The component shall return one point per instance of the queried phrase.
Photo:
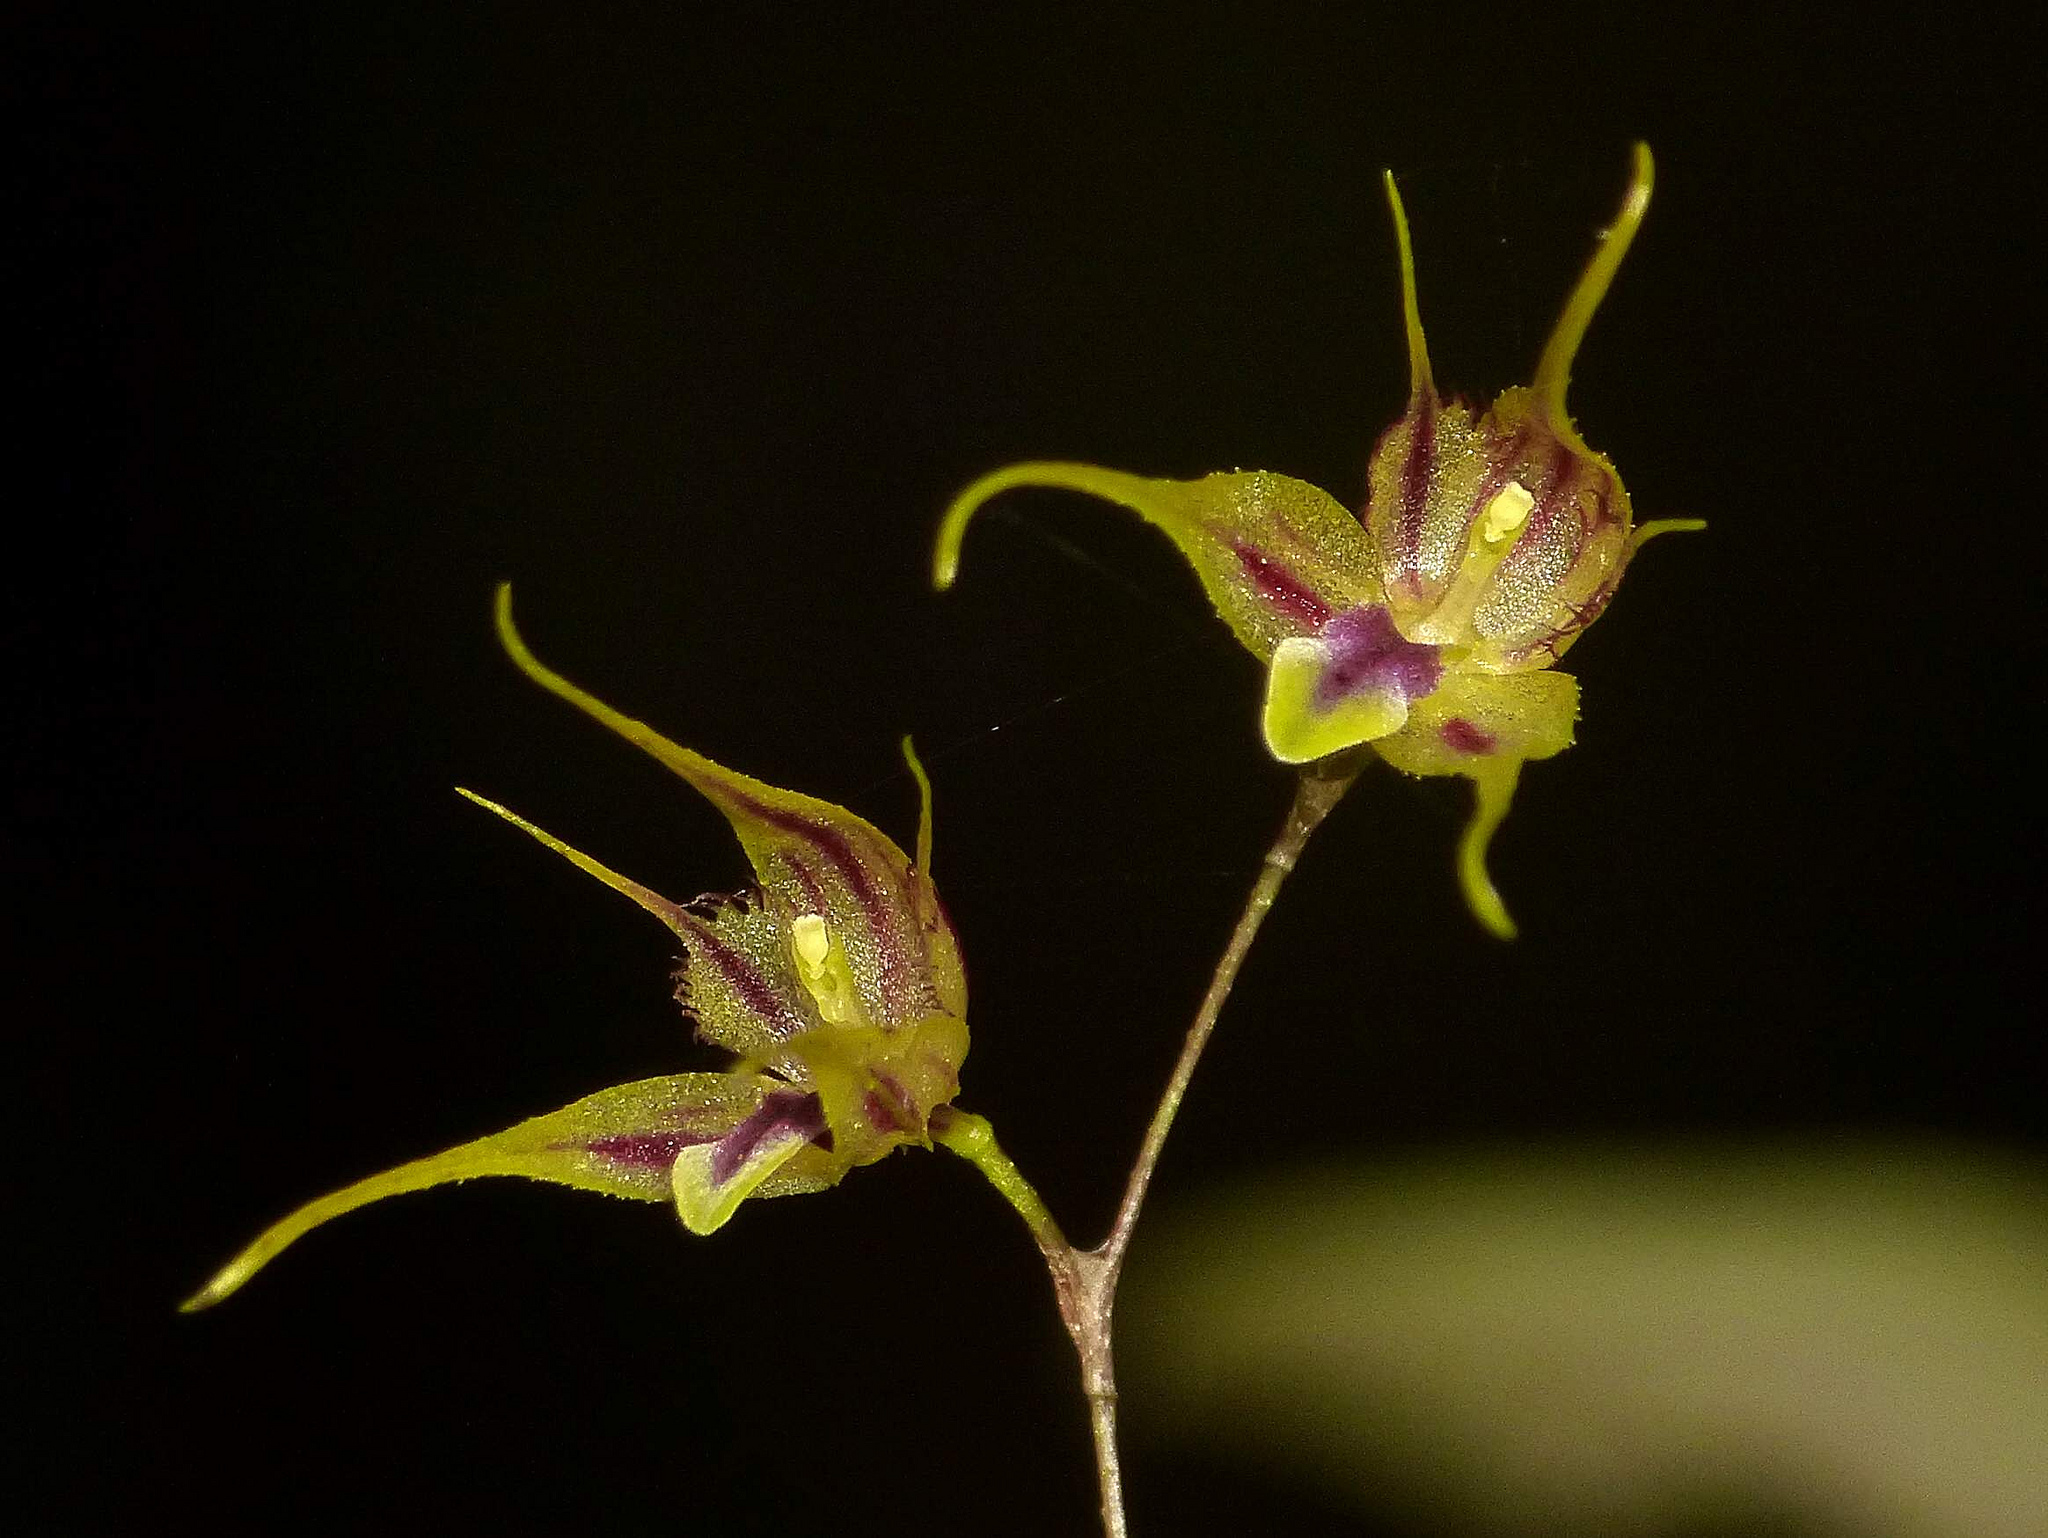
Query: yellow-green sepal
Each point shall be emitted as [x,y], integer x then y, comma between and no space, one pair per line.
[1276,556]
[617,1142]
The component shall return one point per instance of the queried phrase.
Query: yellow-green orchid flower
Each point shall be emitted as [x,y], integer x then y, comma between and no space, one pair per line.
[837,981]
[1428,626]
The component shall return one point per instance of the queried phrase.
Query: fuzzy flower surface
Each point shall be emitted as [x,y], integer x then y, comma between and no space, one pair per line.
[836,981]
[1427,627]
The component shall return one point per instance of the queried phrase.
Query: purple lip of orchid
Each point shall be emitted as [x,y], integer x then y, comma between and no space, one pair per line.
[1366,654]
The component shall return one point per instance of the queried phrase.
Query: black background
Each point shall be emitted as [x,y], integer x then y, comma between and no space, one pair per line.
[690,324]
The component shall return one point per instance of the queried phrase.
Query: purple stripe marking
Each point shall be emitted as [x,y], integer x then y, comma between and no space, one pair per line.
[753,990]
[1415,476]
[1562,491]
[782,1110]
[888,1107]
[642,1150]
[829,843]
[814,895]
[1280,587]
[1368,655]
[1461,736]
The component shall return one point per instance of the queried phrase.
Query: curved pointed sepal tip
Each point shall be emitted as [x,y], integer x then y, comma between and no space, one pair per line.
[617,1142]
[625,886]
[1421,382]
[1554,368]
[1493,791]
[1276,556]
[288,1230]
[924,807]
[1645,532]
[1062,475]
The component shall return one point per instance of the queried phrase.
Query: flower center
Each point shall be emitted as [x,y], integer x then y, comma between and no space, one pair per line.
[1364,654]
[1505,513]
[821,967]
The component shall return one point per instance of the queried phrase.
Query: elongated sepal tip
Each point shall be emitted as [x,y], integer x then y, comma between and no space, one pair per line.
[1054,474]
[223,1285]
[1645,532]
[1483,897]
[953,527]
[1493,789]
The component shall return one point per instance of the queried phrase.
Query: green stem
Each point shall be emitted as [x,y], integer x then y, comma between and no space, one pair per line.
[1320,787]
[972,1138]
[1085,1281]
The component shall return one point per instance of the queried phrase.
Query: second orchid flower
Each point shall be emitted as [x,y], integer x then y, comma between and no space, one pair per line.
[1427,627]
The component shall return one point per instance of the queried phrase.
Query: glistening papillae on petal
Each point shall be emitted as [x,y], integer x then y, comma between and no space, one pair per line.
[621,1142]
[1276,556]
[1502,532]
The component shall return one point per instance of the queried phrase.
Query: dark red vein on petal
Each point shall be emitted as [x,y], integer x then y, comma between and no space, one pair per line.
[1280,587]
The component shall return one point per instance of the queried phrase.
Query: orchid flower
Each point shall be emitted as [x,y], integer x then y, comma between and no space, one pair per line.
[1428,627]
[837,982]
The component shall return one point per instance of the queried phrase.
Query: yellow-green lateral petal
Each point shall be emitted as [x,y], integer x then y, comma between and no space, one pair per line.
[1276,556]
[619,1142]
[1298,729]
[1474,717]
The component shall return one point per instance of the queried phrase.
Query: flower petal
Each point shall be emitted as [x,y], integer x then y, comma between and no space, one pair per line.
[1276,556]
[710,1180]
[1349,684]
[620,1142]
[812,859]
[1485,726]
[1503,533]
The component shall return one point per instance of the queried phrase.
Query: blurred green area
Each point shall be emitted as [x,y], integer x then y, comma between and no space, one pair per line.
[1817,1337]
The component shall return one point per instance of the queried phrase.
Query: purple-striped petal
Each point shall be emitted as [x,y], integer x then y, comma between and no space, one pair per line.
[710,1180]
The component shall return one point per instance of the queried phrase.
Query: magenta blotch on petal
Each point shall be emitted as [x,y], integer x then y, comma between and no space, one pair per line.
[1462,736]
[1368,655]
